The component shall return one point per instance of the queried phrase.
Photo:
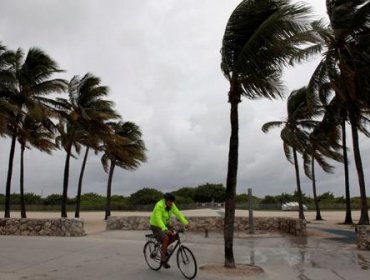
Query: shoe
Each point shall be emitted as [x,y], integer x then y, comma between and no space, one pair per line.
[165,265]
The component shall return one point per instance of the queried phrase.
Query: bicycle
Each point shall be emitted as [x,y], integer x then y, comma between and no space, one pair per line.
[184,257]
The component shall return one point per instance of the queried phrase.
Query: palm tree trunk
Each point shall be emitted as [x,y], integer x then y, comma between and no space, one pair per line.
[348,219]
[317,206]
[364,217]
[231,181]
[23,206]
[9,177]
[109,189]
[79,189]
[65,183]
[300,201]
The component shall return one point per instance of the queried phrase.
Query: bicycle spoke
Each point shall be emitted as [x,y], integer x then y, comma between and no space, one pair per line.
[186,262]
[152,255]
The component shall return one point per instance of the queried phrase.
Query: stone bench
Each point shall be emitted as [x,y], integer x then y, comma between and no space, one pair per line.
[42,227]
[287,225]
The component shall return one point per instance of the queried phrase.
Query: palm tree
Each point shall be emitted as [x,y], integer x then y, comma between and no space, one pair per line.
[95,110]
[6,108]
[261,37]
[68,139]
[85,113]
[343,66]
[294,133]
[348,217]
[336,114]
[124,148]
[321,85]
[39,135]
[323,143]
[30,84]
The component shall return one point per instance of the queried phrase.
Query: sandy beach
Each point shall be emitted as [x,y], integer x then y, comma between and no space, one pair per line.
[94,220]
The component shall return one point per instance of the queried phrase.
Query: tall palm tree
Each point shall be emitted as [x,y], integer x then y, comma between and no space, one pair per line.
[95,111]
[336,114]
[323,143]
[6,109]
[348,216]
[85,114]
[344,68]
[324,139]
[30,85]
[124,148]
[295,133]
[261,37]
[77,111]
[68,139]
[321,85]
[39,135]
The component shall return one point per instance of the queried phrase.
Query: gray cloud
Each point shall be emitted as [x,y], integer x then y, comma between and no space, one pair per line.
[161,60]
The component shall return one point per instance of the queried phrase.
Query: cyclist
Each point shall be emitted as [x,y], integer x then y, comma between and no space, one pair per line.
[159,223]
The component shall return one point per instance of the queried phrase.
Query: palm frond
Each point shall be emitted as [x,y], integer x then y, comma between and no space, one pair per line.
[307,163]
[288,152]
[260,38]
[269,125]
[105,162]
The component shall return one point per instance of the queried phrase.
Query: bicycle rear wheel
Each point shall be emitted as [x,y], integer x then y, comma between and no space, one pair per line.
[186,262]
[152,254]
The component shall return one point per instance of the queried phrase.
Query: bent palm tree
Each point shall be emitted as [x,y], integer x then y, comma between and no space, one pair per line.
[6,109]
[261,37]
[321,85]
[124,148]
[68,139]
[85,113]
[323,143]
[294,134]
[39,135]
[343,65]
[94,111]
[30,84]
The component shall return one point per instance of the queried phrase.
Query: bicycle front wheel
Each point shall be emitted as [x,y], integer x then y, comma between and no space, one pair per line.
[152,254]
[186,262]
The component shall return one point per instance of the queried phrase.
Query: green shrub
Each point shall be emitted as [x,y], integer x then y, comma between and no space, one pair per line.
[210,192]
[145,196]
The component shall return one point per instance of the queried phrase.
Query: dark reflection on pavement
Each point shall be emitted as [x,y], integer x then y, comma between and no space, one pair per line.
[306,258]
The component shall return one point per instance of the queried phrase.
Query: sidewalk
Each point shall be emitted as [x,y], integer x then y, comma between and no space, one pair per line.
[118,255]
[325,254]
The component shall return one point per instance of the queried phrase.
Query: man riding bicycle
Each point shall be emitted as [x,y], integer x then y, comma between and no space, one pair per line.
[159,223]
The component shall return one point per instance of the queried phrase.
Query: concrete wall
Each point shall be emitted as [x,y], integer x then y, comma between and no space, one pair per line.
[42,227]
[363,237]
[287,225]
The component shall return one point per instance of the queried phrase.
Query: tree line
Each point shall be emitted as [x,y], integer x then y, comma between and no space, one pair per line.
[39,110]
[143,197]
[205,195]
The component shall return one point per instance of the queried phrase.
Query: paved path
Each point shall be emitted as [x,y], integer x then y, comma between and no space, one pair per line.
[343,235]
[117,255]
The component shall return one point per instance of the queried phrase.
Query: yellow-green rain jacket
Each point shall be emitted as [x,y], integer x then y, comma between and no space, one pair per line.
[160,216]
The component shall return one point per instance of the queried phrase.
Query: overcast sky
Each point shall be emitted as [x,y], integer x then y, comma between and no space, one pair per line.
[161,61]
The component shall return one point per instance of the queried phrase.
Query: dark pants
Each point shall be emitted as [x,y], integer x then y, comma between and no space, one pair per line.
[158,233]
[164,239]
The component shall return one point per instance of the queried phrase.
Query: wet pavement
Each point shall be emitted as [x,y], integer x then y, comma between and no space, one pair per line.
[118,255]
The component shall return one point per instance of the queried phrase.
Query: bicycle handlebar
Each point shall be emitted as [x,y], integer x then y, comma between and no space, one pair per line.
[177,231]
